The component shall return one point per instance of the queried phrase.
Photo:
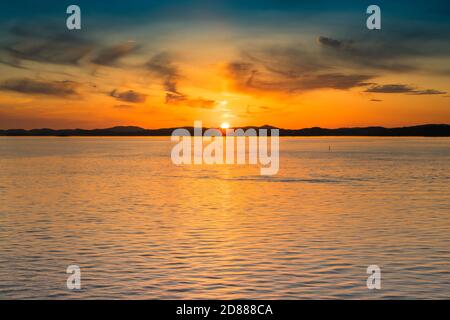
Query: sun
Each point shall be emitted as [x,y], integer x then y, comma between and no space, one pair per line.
[225,125]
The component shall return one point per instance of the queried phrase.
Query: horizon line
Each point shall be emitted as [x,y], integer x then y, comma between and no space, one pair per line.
[232,128]
[426,130]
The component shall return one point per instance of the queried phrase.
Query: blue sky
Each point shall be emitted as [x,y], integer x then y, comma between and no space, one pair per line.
[431,11]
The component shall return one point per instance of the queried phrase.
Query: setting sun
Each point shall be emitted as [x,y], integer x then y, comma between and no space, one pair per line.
[225,125]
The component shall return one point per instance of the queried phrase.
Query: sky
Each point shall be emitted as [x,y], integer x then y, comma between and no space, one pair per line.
[159,64]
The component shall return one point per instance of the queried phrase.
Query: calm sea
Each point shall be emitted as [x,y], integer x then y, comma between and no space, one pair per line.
[140,227]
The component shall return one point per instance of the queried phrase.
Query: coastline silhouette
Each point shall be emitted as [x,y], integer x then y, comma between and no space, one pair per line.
[427,130]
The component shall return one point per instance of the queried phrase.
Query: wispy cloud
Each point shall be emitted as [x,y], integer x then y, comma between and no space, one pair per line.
[407,49]
[402,88]
[110,56]
[52,88]
[329,42]
[163,67]
[368,54]
[332,64]
[129,96]
[183,100]
[248,76]
[45,46]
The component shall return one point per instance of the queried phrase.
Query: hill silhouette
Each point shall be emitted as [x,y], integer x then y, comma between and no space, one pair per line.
[428,130]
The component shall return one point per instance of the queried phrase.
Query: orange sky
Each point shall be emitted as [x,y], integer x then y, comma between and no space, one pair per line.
[153,77]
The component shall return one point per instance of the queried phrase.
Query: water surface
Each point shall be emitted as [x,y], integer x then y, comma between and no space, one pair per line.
[141,227]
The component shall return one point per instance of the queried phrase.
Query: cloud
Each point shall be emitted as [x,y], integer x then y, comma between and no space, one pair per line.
[335,63]
[129,96]
[335,81]
[247,76]
[288,61]
[52,88]
[376,100]
[331,64]
[10,61]
[292,68]
[391,88]
[402,88]
[329,42]
[45,46]
[162,66]
[183,100]
[428,92]
[368,54]
[111,55]
[242,73]
[405,50]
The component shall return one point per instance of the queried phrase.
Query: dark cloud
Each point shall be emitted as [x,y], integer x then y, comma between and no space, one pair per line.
[11,61]
[291,68]
[428,92]
[336,63]
[242,73]
[376,100]
[129,96]
[378,55]
[405,50]
[111,55]
[247,76]
[22,31]
[391,88]
[183,100]
[402,88]
[52,88]
[163,67]
[240,68]
[335,81]
[46,47]
[287,61]
[329,42]
[332,63]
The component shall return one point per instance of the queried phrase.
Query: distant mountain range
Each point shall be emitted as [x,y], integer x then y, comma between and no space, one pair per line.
[428,130]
